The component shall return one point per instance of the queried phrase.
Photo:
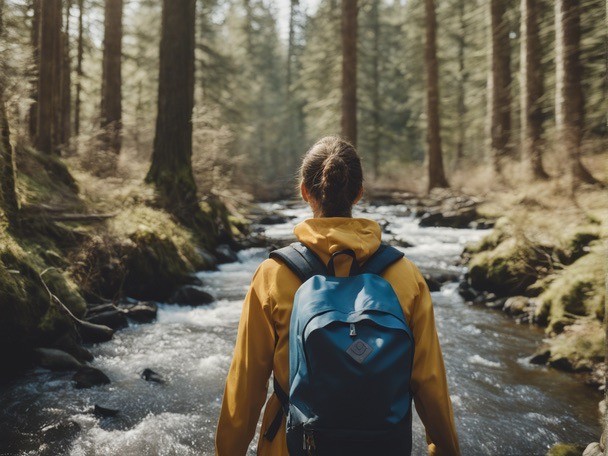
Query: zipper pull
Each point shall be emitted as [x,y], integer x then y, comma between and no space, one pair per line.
[304,440]
[353,331]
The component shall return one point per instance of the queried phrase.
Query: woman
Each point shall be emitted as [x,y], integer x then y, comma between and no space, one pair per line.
[331,183]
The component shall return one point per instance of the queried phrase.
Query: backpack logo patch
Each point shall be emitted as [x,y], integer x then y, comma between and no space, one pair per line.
[359,351]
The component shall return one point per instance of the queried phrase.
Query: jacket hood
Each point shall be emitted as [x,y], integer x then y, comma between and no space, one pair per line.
[328,235]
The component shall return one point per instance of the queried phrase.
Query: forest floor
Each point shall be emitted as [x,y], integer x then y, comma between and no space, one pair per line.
[91,241]
[545,262]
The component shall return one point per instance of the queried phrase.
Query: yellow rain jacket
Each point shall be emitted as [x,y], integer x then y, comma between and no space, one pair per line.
[262,345]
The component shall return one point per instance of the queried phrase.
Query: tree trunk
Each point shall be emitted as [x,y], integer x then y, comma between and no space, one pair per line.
[461,107]
[79,73]
[111,96]
[49,80]
[531,91]
[436,173]
[570,103]
[376,104]
[289,101]
[171,168]
[35,41]
[499,91]
[349,70]
[8,194]
[66,80]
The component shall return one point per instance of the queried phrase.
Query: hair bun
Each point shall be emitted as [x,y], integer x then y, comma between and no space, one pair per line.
[332,174]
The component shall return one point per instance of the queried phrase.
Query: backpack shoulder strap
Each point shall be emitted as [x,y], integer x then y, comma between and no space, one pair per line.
[301,260]
[381,259]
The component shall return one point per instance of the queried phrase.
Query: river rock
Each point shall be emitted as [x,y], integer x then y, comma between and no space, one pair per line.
[466,291]
[541,356]
[143,312]
[104,411]
[432,283]
[92,333]
[208,260]
[517,305]
[68,344]
[400,242]
[57,360]
[150,376]
[593,449]
[225,254]
[191,295]
[88,376]
[273,219]
[460,218]
[114,318]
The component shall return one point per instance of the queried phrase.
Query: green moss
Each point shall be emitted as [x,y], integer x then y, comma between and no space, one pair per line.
[28,318]
[576,244]
[506,270]
[578,290]
[579,347]
[565,449]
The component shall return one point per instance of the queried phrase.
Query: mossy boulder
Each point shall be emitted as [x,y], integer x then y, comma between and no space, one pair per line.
[579,347]
[577,290]
[565,449]
[146,265]
[507,270]
[29,318]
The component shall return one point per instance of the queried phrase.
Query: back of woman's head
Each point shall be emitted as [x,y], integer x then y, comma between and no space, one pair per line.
[331,173]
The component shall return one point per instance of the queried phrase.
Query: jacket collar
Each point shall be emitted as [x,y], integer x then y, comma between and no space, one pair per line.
[328,235]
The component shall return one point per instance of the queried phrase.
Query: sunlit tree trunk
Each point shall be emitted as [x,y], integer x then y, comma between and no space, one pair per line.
[499,90]
[66,80]
[461,107]
[79,73]
[35,41]
[111,91]
[171,168]
[531,90]
[570,103]
[349,70]
[8,194]
[436,174]
[49,78]
[376,103]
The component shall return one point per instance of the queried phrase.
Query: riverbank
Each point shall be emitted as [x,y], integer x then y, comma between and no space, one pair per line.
[544,264]
[85,242]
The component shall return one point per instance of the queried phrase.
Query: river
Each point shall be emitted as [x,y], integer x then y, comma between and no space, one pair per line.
[503,405]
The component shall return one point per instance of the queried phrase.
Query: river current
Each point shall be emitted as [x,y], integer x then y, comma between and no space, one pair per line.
[503,405]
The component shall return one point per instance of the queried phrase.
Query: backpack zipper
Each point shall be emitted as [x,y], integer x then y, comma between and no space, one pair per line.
[353,330]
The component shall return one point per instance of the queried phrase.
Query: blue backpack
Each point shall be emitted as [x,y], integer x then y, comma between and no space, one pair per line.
[351,353]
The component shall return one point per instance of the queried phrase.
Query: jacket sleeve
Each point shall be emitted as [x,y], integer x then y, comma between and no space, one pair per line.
[247,381]
[429,382]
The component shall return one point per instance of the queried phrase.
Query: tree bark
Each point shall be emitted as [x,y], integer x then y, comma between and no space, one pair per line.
[499,91]
[66,80]
[171,168]
[35,41]
[376,104]
[8,195]
[49,77]
[461,107]
[79,73]
[349,70]
[531,90]
[111,95]
[570,103]
[436,174]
